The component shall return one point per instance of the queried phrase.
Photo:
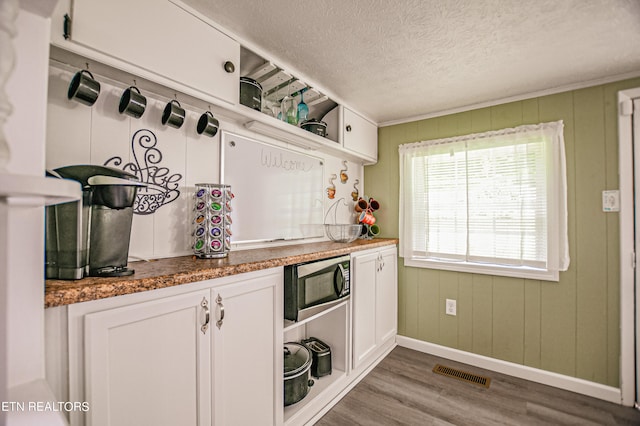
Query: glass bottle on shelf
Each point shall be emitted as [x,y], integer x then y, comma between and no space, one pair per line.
[303,109]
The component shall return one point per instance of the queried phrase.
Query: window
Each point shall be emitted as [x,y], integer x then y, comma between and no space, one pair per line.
[491,202]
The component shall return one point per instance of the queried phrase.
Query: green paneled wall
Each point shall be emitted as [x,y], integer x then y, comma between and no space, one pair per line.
[570,327]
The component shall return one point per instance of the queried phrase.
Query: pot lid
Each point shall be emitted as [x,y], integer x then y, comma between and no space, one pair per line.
[314,121]
[297,358]
[250,81]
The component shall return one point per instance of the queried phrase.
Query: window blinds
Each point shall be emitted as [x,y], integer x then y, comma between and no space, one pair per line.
[492,198]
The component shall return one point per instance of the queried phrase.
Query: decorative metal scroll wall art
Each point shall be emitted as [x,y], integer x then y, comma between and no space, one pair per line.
[162,186]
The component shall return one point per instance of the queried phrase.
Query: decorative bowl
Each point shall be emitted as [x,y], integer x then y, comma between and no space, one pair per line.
[342,233]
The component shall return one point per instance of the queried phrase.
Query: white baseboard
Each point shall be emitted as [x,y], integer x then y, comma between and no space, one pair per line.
[585,387]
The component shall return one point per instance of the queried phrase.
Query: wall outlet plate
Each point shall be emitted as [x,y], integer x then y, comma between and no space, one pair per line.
[611,201]
[450,307]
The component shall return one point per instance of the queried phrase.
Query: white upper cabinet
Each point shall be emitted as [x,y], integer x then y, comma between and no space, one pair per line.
[360,135]
[175,51]
[161,37]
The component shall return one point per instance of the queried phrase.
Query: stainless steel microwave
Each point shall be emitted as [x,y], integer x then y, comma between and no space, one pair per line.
[310,288]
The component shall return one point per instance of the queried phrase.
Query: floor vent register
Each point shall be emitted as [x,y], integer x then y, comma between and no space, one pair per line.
[462,375]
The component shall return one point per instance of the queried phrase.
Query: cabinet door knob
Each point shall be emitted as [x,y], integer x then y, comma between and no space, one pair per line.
[220,312]
[229,67]
[348,127]
[205,307]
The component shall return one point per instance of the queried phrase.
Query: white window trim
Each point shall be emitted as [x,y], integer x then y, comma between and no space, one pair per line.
[558,250]
[478,268]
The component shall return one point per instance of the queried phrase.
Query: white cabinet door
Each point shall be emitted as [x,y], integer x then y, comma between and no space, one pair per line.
[161,37]
[387,296]
[149,363]
[363,293]
[375,298]
[360,135]
[246,340]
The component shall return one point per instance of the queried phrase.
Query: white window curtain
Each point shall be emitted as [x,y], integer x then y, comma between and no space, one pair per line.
[494,199]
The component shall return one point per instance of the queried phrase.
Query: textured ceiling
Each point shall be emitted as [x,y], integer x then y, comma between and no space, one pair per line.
[397,59]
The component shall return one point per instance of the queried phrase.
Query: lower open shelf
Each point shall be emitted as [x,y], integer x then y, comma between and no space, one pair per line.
[332,328]
[316,391]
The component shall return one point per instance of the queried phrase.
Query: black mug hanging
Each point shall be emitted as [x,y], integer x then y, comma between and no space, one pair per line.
[84,88]
[208,124]
[173,114]
[132,102]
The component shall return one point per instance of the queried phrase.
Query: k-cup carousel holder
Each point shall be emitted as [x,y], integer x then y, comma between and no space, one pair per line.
[212,220]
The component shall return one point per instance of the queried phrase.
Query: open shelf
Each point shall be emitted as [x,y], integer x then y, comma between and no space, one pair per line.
[332,328]
[320,386]
[291,325]
[278,83]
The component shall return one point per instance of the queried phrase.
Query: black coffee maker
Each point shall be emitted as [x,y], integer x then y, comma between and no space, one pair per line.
[91,237]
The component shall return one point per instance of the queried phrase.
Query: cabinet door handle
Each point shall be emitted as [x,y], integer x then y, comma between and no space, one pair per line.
[380,261]
[66,28]
[348,128]
[220,310]
[205,307]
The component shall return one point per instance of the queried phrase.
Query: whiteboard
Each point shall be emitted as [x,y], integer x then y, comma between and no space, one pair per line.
[278,192]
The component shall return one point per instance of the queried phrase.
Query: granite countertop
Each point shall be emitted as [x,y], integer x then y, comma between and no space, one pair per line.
[160,273]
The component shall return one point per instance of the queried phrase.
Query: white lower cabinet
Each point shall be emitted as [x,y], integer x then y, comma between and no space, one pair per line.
[247,367]
[374,292]
[148,363]
[211,352]
[359,331]
[387,296]
[209,356]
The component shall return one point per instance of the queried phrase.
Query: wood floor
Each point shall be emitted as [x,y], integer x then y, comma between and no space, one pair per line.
[403,390]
